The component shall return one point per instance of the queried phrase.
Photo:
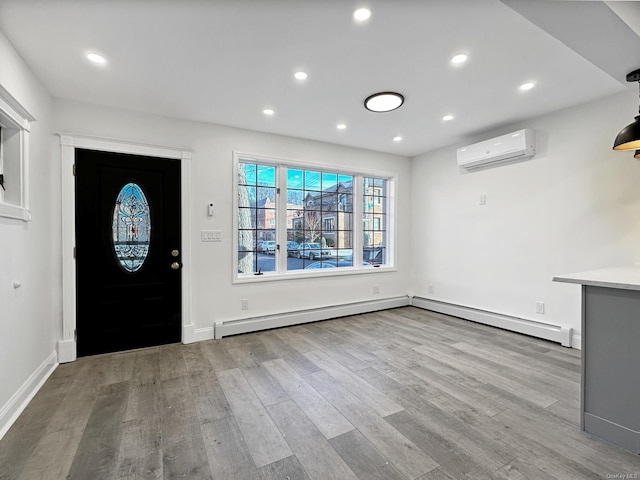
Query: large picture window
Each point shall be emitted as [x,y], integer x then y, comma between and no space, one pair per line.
[291,218]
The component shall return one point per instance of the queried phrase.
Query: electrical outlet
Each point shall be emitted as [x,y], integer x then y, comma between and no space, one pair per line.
[376,289]
[540,308]
[244,304]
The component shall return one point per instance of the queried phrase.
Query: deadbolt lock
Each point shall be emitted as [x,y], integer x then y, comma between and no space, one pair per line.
[175,253]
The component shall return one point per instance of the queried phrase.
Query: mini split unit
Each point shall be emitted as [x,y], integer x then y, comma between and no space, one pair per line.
[507,148]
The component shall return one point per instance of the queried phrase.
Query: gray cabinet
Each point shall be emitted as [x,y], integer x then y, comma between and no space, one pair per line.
[610,400]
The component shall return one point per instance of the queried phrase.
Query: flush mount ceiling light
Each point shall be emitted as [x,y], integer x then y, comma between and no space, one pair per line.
[383,102]
[459,59]
[362,14]
[629,136]
[96,58]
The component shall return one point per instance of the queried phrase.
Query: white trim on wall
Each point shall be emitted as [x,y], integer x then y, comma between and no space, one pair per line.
[10,412]
[67,348]
[14,114]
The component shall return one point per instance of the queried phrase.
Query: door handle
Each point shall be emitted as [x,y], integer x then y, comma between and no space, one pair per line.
[175,265]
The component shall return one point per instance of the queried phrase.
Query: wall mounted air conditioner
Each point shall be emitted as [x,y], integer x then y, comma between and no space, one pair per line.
[511,147]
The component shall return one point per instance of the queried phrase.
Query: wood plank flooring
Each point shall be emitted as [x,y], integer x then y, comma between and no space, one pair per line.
[392,395]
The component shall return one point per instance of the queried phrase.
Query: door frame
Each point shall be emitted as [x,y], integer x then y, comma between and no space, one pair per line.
[67,346]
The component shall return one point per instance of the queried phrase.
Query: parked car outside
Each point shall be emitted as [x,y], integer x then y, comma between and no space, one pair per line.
[329,264]
[312,251]
[292,249]
[269,247]
[374,255]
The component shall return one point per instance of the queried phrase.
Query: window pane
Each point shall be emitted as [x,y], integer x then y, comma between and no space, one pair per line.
[266,176]
[374,220]
[246,174]
[319,219]
[312,181]
[345,202]
[246,195]
[247,217]
[295,179]
[131,227]
[256,218]
[329,182]
[295,198]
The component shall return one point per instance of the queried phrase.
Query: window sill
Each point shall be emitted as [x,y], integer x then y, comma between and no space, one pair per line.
[13,211]
[300,274]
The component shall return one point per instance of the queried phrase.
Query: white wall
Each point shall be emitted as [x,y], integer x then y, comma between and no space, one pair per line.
[214,297]
[574,207]
[29,252]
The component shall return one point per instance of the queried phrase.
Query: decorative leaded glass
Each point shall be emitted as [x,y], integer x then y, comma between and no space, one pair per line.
[131,227]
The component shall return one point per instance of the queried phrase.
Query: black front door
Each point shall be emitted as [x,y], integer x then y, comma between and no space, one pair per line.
[128,267]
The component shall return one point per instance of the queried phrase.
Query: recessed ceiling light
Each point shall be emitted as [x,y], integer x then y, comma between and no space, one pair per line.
[96,58]
[268,111]
[447,118]
[397,138]
[527,86]
[460,58]
[341,126]
[383,101]
[301,75]
[362,14]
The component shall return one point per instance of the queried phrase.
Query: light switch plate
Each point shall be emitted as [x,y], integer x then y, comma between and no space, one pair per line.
[211,235]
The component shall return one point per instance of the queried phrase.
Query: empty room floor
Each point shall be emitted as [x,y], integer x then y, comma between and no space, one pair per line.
[398,394]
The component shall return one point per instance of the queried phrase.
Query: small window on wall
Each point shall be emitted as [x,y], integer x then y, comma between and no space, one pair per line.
[14,143]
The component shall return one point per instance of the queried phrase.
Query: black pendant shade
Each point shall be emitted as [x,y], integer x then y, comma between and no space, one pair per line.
[629,136]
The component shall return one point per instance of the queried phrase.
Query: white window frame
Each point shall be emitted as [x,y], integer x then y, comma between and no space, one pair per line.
[281,273]
[13,116]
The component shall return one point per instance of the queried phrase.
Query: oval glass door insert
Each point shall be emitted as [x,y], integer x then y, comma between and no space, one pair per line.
[131,227]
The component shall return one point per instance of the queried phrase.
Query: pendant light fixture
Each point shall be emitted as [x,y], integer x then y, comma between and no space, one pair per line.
[629,136]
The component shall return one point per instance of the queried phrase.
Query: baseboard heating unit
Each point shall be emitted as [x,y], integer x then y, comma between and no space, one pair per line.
[555,333]
[233,327]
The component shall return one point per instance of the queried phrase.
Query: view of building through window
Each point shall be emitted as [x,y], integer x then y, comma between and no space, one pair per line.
[374,219]
[320,219]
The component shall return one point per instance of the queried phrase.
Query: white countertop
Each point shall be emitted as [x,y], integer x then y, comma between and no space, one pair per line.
[627,278]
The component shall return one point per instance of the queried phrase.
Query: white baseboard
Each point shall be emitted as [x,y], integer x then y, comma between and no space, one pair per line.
[576,341]
[67,351]
[201,334]
[232,327]
[188,333]
[18,402]
[555,333]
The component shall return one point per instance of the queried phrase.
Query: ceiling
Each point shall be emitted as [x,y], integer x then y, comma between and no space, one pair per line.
[225,61]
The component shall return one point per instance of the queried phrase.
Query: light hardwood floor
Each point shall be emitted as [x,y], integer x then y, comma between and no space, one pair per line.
[399,394]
